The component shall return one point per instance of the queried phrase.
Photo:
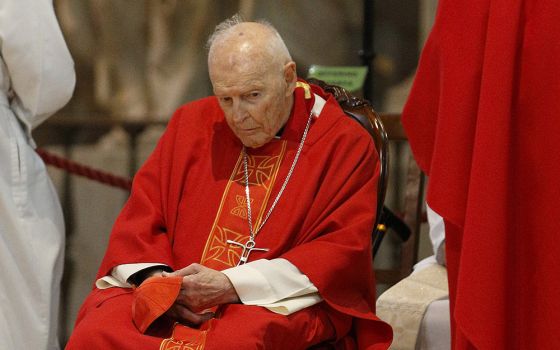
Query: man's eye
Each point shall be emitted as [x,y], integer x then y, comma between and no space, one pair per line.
[253,95]
[225,99]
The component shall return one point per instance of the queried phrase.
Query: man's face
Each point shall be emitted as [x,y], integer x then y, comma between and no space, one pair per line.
[256,100]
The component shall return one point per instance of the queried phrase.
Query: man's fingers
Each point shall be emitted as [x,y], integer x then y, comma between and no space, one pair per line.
[205,316]
[185,271]
[186,316]
[206,289]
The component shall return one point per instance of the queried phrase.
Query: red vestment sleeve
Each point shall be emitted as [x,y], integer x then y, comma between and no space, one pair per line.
[140,232]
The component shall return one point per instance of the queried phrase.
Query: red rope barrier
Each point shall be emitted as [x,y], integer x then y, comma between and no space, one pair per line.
[84,170]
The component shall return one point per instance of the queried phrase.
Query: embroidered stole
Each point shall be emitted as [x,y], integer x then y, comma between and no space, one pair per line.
[231,224]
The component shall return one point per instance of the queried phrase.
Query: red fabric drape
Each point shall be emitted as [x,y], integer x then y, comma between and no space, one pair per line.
[482,119]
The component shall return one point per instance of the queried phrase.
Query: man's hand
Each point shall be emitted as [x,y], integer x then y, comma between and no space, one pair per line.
[186,316]
[202,288]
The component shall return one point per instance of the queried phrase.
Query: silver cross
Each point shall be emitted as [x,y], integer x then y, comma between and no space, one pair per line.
[247,249]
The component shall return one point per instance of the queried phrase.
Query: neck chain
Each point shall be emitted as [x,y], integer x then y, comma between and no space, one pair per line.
[250,245]
[248,195]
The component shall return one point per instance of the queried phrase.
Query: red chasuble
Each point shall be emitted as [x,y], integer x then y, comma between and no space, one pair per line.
[483,120]
[188,200]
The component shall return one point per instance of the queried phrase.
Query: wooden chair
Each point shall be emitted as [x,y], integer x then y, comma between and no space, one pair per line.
[410,210]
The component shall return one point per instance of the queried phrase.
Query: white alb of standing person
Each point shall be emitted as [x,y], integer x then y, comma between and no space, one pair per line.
[36,79]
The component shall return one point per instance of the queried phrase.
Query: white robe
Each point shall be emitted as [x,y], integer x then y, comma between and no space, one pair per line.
[36,79]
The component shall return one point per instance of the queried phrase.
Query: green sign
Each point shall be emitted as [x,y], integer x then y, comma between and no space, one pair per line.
[349,77]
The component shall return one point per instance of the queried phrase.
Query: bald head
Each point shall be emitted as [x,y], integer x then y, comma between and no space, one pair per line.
[236,43]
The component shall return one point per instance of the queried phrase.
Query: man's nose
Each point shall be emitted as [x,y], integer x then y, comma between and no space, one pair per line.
[239,111]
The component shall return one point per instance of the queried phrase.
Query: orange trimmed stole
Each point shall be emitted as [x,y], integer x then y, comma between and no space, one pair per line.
[231,224]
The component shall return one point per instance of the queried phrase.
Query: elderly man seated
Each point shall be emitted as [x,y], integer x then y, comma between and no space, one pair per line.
[249,225]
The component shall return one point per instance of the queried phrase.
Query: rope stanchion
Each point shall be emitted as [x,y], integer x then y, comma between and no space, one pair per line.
[84,170]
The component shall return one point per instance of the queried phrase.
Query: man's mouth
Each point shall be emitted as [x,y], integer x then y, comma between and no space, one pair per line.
[247,130]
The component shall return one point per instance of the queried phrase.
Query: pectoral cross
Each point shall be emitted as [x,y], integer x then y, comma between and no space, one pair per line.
[247,249]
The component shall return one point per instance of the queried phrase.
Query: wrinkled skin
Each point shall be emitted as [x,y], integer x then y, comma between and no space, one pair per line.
[254,86]
[201,289]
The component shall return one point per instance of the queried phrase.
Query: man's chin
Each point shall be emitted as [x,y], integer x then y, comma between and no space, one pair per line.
[252,143]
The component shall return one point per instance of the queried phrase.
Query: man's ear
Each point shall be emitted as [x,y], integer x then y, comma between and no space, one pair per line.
[290,77]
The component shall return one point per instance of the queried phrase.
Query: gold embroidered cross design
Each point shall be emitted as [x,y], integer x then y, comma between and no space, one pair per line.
[259,169]
[241,209]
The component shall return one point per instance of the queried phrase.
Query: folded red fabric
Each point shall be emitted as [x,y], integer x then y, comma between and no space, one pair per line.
[153,298]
